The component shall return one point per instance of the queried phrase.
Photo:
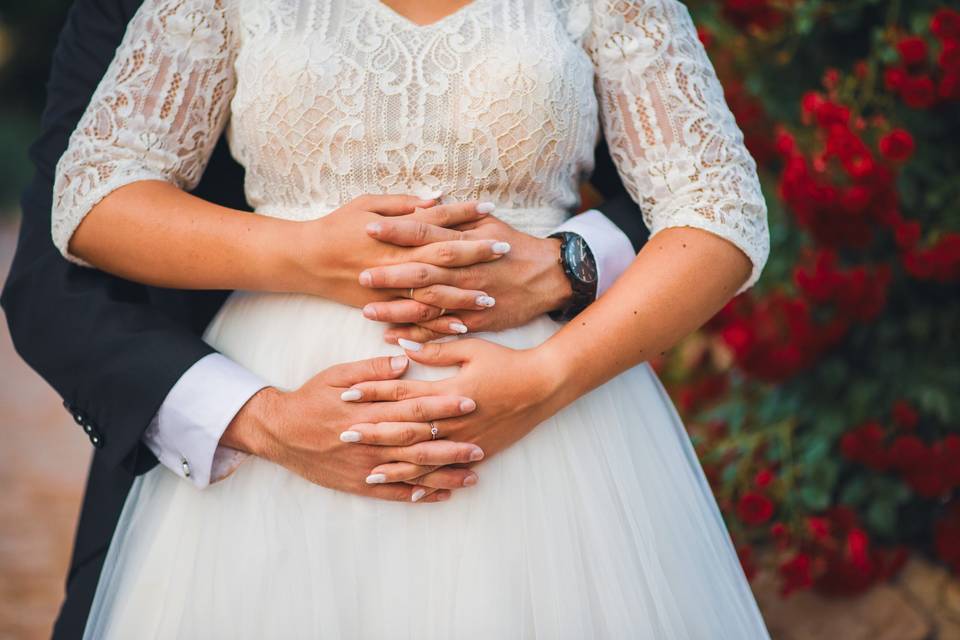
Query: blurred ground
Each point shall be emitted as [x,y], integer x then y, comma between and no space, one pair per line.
[43,462]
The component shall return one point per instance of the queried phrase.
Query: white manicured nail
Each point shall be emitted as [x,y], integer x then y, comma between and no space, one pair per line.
[350,436]
[501,247]
[376,478]
[369,312]
[397,363]
[486,207]
[459,327]
[467,405]
[419,493]
[410,345]
[365,278]
[476,454]
[373,227]
[350,395]
[485,301]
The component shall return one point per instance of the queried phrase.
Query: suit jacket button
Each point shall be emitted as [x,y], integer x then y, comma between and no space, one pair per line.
[87,427]
[78,418]
[97,441]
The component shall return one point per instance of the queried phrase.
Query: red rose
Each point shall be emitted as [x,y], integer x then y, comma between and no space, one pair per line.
[897,145]
[907,233]
[893,78]
[763,478]
[858,547]
[949,58]
[949,88]
[913,50]
[945,24]
[754,508]
[918,92]
[796,574]
[909,452]
[904,414]
[819,527]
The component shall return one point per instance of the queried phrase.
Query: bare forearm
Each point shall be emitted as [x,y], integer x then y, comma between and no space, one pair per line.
[679,280]
[154,233]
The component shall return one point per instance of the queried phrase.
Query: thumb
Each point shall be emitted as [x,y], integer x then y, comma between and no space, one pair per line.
[382,368]
[440,354]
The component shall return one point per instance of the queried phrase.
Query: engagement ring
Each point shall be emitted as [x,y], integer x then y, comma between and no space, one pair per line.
[434,431]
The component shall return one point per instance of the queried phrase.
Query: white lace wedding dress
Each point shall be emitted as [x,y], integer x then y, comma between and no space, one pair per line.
[599,523]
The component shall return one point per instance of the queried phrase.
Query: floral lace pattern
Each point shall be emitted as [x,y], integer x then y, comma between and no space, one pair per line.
[498,101]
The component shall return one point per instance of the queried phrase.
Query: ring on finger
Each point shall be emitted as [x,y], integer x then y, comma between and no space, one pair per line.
[434,430]
[443,311]
[410,293]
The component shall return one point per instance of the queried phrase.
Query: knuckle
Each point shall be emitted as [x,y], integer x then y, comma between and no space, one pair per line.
[446,254]
[429,295]
[421,232]
[420,458]
[401,391]
[420,411]
[407,435]
[424,313]
[422,274]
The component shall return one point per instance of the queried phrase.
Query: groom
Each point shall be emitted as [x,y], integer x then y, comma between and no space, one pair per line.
[139,381]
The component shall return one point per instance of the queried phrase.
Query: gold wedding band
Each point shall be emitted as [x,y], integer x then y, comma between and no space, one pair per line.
[410,293]
[443,311]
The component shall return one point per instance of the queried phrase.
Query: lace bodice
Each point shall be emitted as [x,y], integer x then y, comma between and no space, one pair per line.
[324,101]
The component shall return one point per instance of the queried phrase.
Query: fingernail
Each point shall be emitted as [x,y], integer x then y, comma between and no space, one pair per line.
[467,405]
[410,345]
[470,480]
[486,207]
[376,478]
[431,195]
[365,278]
[397,363]
[476,454]
[419,493]
[501,247]
[485,301]
[350,436]
[373,228]
[459,327]
[369,312]
[351,395]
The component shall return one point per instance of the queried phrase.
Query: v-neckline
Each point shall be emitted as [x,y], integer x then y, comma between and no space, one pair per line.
[396,15]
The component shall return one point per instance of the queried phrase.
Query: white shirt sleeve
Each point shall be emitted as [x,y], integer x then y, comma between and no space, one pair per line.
[610,246]
[185,434]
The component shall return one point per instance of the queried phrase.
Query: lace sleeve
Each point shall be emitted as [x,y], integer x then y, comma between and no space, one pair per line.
[157,112]
[670,132]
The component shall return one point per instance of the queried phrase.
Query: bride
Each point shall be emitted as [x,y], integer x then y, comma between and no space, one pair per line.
[598,522]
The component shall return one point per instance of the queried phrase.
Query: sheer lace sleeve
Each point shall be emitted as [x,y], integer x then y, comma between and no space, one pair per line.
[157,112]
[670,132]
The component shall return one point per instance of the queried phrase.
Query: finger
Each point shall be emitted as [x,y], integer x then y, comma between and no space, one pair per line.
[434,477]
[422,409]
[454,213]
[448,477]
[400,311]
[393,205]
[402,492]
[382,368]
[405,232]
[394,434]
[411,333]
[439,354]
[436,453]
[390,390]
[444,325]
[447,297]
[404,276]
[461,253]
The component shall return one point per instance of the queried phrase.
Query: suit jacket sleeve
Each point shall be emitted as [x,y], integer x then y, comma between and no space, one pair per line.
[98,340]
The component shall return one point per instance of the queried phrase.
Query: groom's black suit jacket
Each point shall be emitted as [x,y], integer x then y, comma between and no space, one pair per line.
[113,348]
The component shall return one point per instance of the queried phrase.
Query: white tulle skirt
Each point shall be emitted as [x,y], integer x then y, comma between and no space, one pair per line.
[598,524]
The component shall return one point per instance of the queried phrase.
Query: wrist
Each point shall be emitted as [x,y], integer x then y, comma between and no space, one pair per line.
[248,430]
[558,292]
[558,376]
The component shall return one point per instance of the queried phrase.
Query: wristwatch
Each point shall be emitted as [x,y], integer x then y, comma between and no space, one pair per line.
[580,267]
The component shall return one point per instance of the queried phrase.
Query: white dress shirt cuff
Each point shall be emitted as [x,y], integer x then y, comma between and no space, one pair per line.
[610,246]
[185,434]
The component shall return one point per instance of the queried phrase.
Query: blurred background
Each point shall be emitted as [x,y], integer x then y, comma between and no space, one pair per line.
[825,402]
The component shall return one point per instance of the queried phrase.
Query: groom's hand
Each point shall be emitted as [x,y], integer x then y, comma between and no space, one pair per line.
[527,282]
[302,431]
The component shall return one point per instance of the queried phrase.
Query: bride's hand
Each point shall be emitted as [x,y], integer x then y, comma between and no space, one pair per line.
[325,256]
[514,390]
[527,282]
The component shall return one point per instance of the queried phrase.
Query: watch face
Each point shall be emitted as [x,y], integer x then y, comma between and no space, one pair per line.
[580,260]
